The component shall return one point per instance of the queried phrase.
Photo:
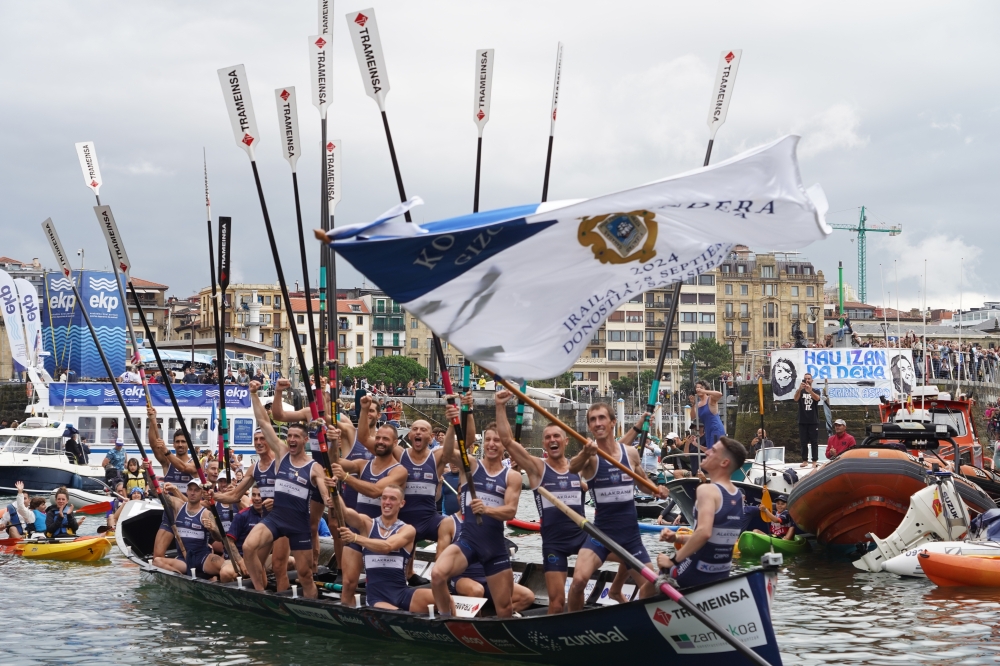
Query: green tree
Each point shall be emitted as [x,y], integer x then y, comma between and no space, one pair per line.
[565,380]
[712,358]
[395,369]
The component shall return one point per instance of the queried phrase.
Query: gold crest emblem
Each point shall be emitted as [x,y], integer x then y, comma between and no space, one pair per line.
[620,238]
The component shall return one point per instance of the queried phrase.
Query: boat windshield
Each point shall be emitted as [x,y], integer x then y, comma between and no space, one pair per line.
[50,446]
[775,454]
[21,444]
[935,416]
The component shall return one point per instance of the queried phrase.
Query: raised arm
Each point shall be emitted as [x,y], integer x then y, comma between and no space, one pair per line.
[278,409]
[156,443]
[365,434]
[264,423]
[397,477]
[533,467]
[236,493]
[584,463]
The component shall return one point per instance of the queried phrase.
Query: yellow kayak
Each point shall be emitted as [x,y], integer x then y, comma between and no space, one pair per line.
[86,549]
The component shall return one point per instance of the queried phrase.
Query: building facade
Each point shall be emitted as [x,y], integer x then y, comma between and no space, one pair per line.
[254,312]
[353,329]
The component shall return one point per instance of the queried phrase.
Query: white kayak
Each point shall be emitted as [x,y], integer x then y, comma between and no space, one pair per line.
[81,498]
[908,563]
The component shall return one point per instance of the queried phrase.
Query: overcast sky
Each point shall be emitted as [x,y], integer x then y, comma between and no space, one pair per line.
[896,103]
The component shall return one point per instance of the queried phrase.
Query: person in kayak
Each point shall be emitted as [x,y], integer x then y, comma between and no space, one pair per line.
[707,554]
[134,494]
[59,518]
[498,489]
[134,476]
[561,538]
[386,544]
[781,526]
[195,526]
[22,515]
[612,491]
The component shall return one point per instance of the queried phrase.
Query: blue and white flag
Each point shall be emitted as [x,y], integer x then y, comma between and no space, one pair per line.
[522,290]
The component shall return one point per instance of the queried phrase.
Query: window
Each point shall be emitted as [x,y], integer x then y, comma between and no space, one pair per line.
[342,339]
[277,302]
[152,336]
[792,270]
[634,355]
[744,309]
[769,329]
[413,343]
[729,290]
[616,355]
[744,328]
[807,270]
[618,315]
[744,346]
[707,317]
[578,376]
[811,330]
[795,309]
[767,271]
[302,338]
[267,300]
[725,268]
[688,336]
[744,290]
[740,268]
[360,358]
[633,317]
[361,321]
[729,328]
[689,299]
[360,340]
[795,291]
[149,316]
[707,334]
[691,280]
[706,280]
[88,428]
[592,376]
[616,336]
[596,340]
[135,317]
[300,319]
[637,299]
[810,292]
[380,352]
[267,319]
[706,299]
[395,340]
[355,307]
[770,311]
[413,323]
[612,376]
[430,343]
[595,353]
[635,336]
[729,309]
[395,310]
[277,340]
[650,319]
[378,339]
[689,317]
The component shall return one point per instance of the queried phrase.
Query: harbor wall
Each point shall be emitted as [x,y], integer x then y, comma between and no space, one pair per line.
[13,400]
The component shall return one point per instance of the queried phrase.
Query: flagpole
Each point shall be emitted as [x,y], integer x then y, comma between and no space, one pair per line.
[729,63]
[237,97]
[552,121]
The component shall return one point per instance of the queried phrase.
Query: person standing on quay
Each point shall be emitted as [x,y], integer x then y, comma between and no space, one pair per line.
[808,420]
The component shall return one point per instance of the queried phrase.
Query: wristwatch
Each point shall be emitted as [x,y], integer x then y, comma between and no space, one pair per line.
[637,429]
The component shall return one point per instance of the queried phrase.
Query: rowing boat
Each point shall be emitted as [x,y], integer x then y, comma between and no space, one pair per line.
[961,570]
[654,628]
[83,549]
[755,545]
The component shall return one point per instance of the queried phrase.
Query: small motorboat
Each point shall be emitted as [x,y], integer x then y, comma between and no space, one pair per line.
[81,549]
[908,564]
[754,545]
[35,454]
[961,570]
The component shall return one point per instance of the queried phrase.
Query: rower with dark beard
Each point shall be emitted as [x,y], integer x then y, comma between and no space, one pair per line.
[194,526]
[497,489]
[372,478]
[178,470]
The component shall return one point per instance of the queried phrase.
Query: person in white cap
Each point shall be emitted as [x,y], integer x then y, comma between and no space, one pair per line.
[840,440]
[114,461]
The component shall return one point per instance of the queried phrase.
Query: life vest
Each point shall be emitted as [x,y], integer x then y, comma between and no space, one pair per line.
[14,517]
[134,481]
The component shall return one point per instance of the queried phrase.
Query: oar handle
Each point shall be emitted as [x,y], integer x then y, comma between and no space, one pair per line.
[456,423]
[649,575]
[639,478]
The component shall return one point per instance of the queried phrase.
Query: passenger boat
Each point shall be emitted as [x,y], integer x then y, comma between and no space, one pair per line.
[35,453]
[866,490]
[779,476]
[654,628]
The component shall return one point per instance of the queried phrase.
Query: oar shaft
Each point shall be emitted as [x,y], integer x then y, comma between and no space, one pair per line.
[654,389]
[639,478]
[463,452]
[649,575]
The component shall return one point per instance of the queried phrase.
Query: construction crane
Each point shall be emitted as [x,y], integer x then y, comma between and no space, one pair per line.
[861,229]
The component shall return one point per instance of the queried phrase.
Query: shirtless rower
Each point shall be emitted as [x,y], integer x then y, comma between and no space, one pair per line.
[178,469]
[386,543]
[561,537]
[297,478]
[612,492]
[498,489]
[372,476]
[195,526]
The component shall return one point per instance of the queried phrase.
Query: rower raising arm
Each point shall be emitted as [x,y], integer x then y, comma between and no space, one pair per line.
[178,459]
[278,447]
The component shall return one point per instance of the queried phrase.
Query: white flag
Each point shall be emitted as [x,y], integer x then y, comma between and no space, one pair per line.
[368,48]
[88,162]
[474,280]
[288,124]
[722,94]
[555,90]
[32,315]
[236,92]
[484,85]
[319,64]
[114,239]
[10,304]
[333,149]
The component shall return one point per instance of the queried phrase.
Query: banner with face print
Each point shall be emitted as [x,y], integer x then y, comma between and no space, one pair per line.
[854,376]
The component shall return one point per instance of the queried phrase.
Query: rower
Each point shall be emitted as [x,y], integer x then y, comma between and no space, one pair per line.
[245,520]
[298,476]
[194,525]
[708,412]
[372,478]
[386,543]
[263,476]
[362,448]
[498,489]
[561,538]
[707,554]
[422,482]
[612,491]
[59,518]
[178,470]
[472,582]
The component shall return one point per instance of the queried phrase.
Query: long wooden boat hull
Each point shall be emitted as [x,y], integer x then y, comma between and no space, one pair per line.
[866,491]
[650,629]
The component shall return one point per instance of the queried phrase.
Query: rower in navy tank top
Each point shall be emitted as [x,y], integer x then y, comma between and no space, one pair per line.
[195,528]
[264,479]
[485,543]
[357,452]
[385,572]
[293,487]
[420,509]
[714,560]
[178,474]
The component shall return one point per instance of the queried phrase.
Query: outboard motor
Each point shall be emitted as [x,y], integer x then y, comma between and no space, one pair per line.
[937,511]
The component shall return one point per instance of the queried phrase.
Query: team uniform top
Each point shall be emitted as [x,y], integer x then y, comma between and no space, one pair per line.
[357,452]
[713,424]
[616,515]
[420,509]
[264,479]
[560,536]
[386,572]
[485,543]
[177,477]
[243,522]
[292,489]
[193,535]
[714,560]
[372,506]
[226,514]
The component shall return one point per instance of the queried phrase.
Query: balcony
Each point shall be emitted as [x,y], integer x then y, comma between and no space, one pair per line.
[744,315]
[657,305]
[388,326]
[596,342]
[729,314]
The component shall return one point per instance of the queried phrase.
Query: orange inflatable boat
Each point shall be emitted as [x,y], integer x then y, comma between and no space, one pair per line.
[961,570]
